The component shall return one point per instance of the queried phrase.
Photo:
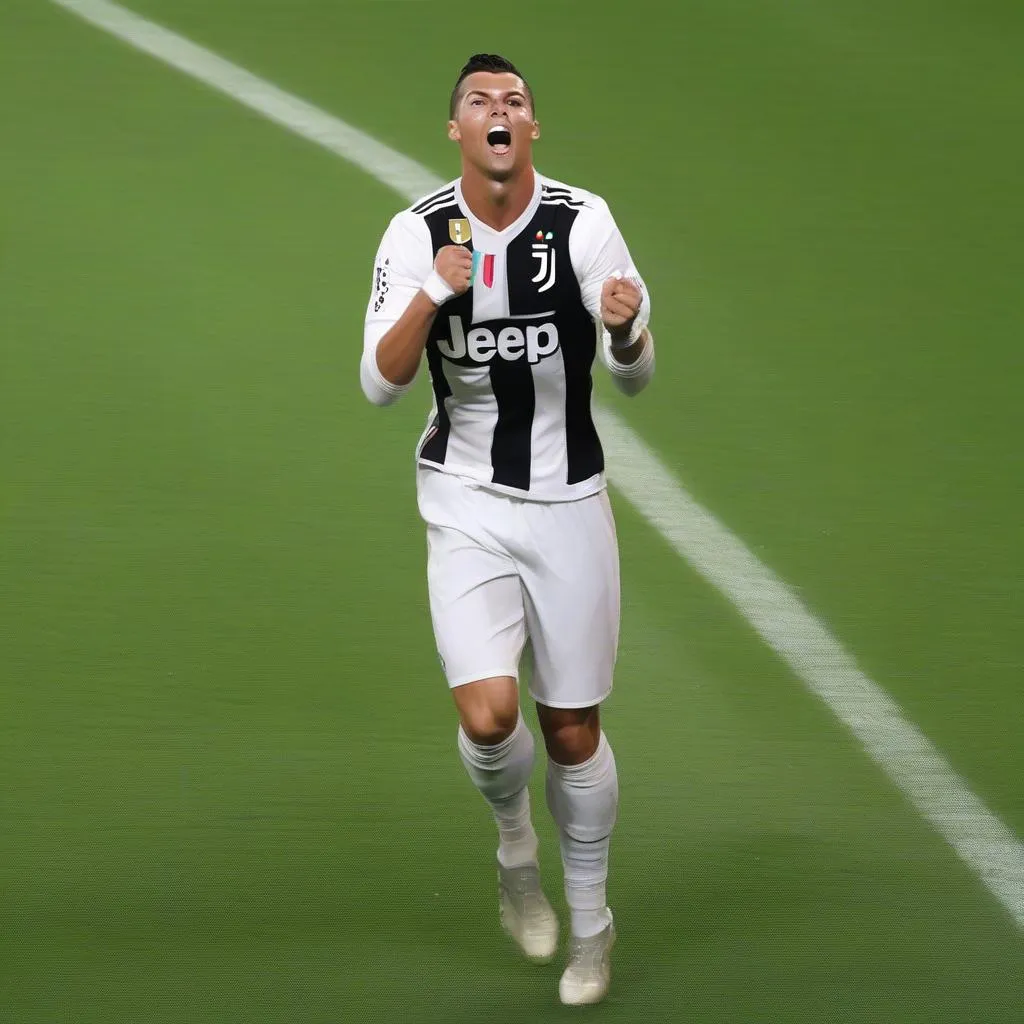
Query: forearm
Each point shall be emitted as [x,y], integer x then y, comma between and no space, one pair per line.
[632,366]
[625,352]
[387,371]
[400,350]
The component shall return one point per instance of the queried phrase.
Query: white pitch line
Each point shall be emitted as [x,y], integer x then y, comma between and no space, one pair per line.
[980,839]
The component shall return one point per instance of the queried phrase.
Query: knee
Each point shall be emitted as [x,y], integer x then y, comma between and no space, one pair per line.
[489,725]
[571,736]
[488,709]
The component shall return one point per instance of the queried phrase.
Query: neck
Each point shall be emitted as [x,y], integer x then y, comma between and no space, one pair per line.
[497,203]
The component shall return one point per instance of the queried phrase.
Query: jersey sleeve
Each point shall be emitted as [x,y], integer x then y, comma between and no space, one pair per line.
[403,262]
[599,251]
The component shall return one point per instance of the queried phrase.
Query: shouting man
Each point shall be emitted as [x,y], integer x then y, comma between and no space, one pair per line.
[511,283]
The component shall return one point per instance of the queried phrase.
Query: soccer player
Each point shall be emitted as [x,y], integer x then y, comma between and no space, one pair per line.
[511,282]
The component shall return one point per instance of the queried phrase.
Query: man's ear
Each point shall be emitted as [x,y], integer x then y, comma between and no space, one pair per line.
[535,130]
[453,131]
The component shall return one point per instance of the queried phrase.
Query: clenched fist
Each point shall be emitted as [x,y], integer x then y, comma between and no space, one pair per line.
[454,264]
[620,304]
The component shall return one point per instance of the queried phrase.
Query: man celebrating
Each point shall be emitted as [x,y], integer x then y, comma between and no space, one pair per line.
[511,283]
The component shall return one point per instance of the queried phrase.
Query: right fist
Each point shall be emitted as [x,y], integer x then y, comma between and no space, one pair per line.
[454,264]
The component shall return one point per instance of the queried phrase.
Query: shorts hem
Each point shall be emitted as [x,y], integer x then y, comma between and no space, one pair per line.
[572,705]
[475,677]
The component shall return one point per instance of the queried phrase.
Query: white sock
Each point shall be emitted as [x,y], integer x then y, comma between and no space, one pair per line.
[584,800]
[502,774]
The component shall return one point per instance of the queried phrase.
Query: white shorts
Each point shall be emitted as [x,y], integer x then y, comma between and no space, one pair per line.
[502,570]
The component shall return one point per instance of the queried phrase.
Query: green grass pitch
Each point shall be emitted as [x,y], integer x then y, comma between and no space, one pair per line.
[228,782]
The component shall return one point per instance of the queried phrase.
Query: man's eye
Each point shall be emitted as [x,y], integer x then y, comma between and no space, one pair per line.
[515,103]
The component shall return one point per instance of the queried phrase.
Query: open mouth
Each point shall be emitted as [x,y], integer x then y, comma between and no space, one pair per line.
[499,138]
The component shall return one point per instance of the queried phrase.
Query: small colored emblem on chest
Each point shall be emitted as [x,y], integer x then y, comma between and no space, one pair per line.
[459,230]
[483,269]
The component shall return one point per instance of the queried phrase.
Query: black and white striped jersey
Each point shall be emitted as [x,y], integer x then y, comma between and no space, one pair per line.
[510,360]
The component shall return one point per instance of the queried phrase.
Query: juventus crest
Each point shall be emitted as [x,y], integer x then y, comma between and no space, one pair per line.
[544,251]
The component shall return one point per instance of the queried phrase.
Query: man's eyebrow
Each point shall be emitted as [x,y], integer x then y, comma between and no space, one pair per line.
[488,92]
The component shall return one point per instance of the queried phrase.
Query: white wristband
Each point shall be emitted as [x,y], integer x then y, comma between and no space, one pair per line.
[631,339]
[438,290]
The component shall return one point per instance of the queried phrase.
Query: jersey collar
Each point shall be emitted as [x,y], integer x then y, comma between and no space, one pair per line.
[516,226]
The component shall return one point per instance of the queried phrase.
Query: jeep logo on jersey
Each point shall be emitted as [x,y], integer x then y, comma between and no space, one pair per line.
[481,345]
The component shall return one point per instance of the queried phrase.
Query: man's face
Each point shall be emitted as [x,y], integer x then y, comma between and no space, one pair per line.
[494,124]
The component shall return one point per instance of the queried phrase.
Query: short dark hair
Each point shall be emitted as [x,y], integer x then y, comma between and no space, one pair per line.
[486,62]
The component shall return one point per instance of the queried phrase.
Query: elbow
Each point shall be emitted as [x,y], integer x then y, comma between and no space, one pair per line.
[379,398]
[632,386]
[378,389]
[376,395]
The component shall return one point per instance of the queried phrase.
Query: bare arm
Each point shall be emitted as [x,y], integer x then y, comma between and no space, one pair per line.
[391,359]
[400,350]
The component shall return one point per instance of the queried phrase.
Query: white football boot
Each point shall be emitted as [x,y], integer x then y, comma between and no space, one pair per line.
[525,913]
[589,972]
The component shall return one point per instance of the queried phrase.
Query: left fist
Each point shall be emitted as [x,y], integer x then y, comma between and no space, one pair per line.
[620,303]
